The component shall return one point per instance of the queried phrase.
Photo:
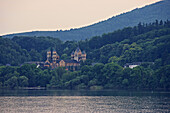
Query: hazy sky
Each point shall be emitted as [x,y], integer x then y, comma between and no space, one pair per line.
[31,15]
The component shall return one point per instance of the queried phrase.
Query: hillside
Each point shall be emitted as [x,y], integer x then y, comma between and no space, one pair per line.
[141,43]
[147,14]
[146,43]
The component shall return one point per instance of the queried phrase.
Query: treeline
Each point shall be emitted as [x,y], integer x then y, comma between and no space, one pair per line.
[142,43]
[22,49]
[99,76]
[145,42]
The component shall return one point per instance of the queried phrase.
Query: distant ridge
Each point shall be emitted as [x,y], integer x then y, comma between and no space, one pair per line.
[147,14]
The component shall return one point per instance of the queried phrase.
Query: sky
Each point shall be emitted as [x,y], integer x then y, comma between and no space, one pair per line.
[50,15]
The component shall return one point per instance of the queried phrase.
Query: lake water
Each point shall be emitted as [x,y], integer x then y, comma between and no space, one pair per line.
[85,101]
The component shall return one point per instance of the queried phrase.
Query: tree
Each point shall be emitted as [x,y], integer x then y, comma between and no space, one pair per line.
[12,82]
[64,56]
[115,59]
[125,82]
[30,71]
[60,71]
[85,69]
[99,74]
[23,81]
[35,56]
[163,76]
[112,71]
[54,82]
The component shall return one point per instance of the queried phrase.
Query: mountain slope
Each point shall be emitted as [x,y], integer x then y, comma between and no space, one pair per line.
[159,11]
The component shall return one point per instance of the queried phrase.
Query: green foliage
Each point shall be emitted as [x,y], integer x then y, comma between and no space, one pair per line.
[148,43]
[112,72]
[125,82]
[64,56]
[163,73]
[11,53]
[35,56]
[54,82]
[142,43]
[99,76]
[11,82]
[23,81]
[115,59]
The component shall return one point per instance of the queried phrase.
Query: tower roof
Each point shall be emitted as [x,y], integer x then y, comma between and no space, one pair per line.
[48,51]
[78,49]
[72,53]
[83,52]
[55,52]
[47,62]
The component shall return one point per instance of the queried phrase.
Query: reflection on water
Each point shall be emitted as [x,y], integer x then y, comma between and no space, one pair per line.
[81,93]
[86,104]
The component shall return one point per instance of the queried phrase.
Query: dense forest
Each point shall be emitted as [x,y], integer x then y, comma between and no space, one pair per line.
[147,14]
[147,43]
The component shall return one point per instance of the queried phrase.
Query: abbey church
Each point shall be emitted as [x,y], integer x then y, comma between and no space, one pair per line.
[53,60]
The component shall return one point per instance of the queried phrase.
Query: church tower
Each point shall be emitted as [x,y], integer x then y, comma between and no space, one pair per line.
[52,58]
[83,55]
[72,55]
[49,55]
[47,62]
[78,55]
[55,56]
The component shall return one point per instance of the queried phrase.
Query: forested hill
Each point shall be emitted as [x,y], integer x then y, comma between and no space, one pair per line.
[141,43]
[145,43]
[150,13]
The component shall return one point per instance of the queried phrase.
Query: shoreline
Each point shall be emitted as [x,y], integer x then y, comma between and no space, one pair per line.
[103,89]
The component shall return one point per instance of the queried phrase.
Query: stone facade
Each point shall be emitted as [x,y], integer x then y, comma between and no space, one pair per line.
[54,61]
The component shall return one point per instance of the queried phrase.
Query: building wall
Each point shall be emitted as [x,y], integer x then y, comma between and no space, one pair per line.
[53,58]
[132,66]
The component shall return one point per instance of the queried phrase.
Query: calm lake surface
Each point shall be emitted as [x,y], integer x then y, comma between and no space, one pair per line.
[85,101]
